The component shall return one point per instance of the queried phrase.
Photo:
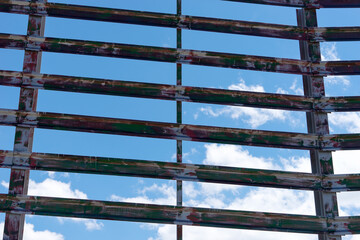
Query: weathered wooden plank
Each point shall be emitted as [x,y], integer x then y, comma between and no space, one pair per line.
[171,171]
[166,130]
[166,214]
[179,93]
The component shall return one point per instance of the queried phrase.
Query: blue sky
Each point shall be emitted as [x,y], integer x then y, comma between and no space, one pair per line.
[162,191]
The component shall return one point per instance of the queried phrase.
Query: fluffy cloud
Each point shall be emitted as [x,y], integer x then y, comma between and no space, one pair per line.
[235,156]
[31,234]
[53,188]
[329,53]
[253,116]
[166,191]
[350,121]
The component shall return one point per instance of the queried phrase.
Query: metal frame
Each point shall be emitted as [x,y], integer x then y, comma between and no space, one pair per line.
[318,141]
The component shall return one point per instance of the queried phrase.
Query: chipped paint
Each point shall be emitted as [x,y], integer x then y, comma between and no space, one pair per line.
[320,143]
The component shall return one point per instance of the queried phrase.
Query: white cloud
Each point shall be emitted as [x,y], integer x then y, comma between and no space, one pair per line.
[31,234]
[296,89]
[296,164]
[5,184]
[276,200]
[167,232]
[346,161]
[252,116]
[53,188]
[255,117]
[235,156]
[166,191]
[329,53]
[241,86]
[350,121]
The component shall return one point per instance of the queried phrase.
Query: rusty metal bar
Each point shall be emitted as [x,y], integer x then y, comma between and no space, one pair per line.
[179,171]
[178,215]
[19,178]
[174,171]
[173,55]
[173,214]
[306,3]
[179,93]
[181,21]
[321,161]
[179,148]
[176,131]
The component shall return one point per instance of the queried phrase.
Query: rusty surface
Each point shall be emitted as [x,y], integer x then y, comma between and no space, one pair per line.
[175,171]
[173,55]
[306,3]
[180,171]
[179,93]
[166,214]
[19,178]
[182,21]
[170,130]
[177,131]
[179,148]
[178,215]
[321,162]
[322,181]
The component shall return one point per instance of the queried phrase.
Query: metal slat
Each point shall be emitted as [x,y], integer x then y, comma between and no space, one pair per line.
[173,55]
[306,3]
[168,214]
[176,131]
[171,92]
[19,178]
[169,130]
[179,145]
[178,215]
[321,162]
[182,21]
[179,93]
[171,171]
[180,171]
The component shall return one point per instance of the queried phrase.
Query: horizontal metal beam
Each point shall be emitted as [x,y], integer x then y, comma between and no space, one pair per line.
[306,3]
[163,214]
[179,171]
[183,22]
[178,93]
[176,131]
[169,92]
[162,170]
[173,55]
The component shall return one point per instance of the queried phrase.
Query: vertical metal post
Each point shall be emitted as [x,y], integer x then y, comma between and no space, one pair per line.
[19,178]
[317,122]
[179,198]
